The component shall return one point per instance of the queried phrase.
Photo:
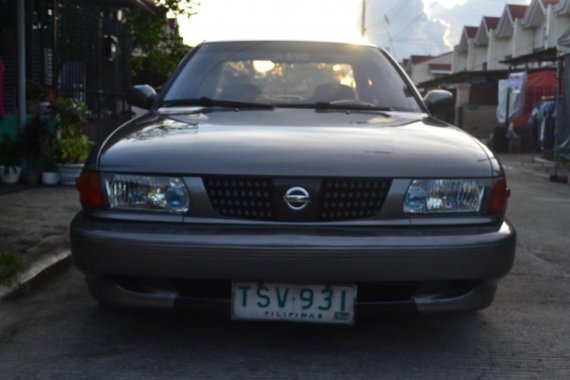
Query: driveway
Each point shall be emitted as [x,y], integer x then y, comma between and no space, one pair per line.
[59,332]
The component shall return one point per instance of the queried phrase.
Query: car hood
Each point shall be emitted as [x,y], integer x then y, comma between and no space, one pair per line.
[293,142]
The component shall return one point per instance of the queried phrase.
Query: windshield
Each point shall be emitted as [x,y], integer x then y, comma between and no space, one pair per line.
[292,74]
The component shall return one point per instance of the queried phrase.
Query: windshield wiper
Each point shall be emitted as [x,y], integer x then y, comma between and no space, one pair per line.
[350,106]
[344,106]
[209,102]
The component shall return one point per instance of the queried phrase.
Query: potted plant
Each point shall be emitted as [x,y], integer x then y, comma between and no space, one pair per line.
[34,94]
[74,146]
[10,154]
[50,176]
[32,139]
[74,152]
[72,116]
[50,157]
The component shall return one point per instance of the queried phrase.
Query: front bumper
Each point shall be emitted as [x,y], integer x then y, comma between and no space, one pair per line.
[136,264]
[291,253]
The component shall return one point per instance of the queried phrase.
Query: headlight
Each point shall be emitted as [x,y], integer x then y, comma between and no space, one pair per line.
[426,196]
[146,193]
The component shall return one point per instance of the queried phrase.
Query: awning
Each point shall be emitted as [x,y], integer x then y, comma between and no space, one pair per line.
[546,55]
[478,77]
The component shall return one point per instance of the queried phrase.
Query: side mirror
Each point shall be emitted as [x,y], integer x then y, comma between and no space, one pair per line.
[439,102]
[142,96]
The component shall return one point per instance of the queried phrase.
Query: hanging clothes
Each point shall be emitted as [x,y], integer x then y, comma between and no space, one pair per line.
[544,119]
[542,122]
[547,126]
[534,125]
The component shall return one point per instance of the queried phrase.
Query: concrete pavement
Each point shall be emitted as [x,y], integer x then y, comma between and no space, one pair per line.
[35,223]
[532,164]
[59,332]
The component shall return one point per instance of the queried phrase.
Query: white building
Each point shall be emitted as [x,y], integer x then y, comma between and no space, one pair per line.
[461,56]
[520,31]
[426,68]
[483,43]
[502,37]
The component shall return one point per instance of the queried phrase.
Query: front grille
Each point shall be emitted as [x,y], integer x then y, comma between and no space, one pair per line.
[261,198]
[352,198]
[250,198]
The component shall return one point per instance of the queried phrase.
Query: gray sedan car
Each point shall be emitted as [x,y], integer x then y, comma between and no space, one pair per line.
[293,181]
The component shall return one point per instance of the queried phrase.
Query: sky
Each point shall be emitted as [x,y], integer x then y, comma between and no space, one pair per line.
[404,27]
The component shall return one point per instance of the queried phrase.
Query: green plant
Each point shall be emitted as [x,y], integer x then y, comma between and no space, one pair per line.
[32,141]
[34,90]
[161,49]
[72,116]
[10,152]
[11,264]
[50,153]
[75,149]
[71,147]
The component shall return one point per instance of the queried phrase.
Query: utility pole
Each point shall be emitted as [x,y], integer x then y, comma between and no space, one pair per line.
[363,20]
[21,64]
[387,21]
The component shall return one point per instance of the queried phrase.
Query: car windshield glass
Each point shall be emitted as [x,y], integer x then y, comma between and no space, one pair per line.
[293,74]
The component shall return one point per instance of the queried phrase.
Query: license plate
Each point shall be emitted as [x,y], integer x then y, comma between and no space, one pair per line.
[292,302]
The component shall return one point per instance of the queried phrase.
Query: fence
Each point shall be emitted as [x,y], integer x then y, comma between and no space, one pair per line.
[79,48]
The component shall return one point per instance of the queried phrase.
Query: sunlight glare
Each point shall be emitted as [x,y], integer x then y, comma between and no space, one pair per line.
[263,67]
[324,20]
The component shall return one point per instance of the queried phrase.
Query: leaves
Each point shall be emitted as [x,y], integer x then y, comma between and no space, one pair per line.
[75,149]
[70,146]
[10,152]
[157,49]
[72,115]
[179,7]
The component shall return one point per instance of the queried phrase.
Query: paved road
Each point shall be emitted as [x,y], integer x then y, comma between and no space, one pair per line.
[60,333]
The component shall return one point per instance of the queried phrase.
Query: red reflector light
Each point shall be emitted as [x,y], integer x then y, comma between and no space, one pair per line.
[90,192]
[499,196]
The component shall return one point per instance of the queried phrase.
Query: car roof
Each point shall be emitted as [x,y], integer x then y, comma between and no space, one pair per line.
[358,43]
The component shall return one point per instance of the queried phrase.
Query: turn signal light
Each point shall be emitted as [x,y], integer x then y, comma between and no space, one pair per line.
[90,192]
[499,197]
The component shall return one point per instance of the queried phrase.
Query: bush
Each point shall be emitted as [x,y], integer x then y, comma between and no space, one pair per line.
[32,140]
[10,152]
[10,267]
[71,146]
[72,116]
[75,149]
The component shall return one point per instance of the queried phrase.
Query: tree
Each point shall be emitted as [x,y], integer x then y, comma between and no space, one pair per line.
[179,7]
[157,45]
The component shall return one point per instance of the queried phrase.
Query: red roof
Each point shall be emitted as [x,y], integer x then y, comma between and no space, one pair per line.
[549,2]
[517,11]
[491,22]
[420,58]
[440,66]
[471,31]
